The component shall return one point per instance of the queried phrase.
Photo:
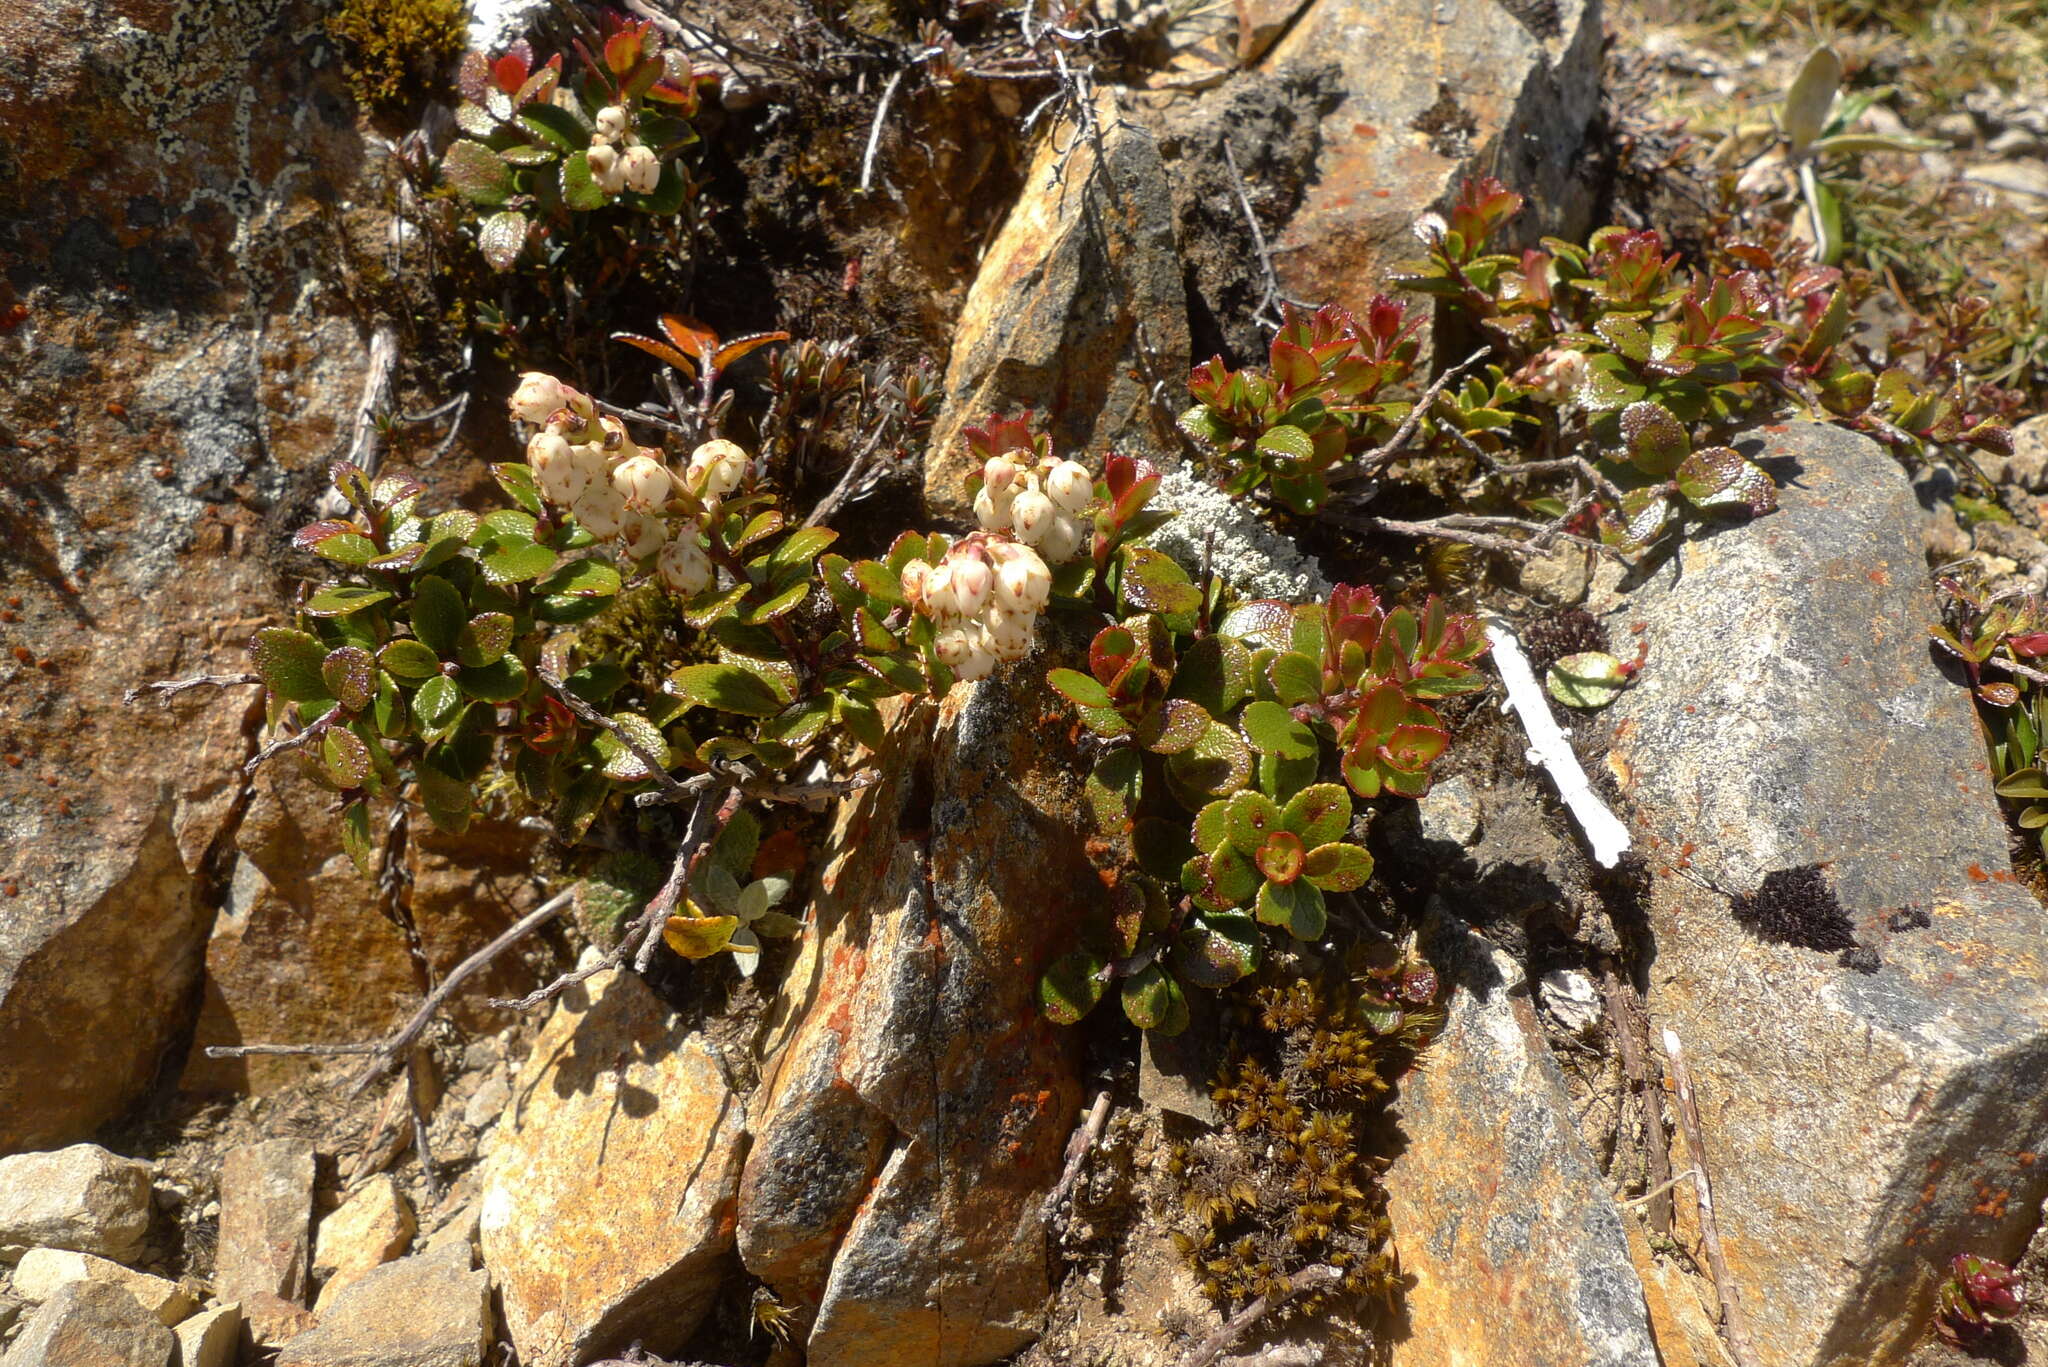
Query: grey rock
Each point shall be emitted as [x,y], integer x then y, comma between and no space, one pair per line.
[1051,322]
[266,1222]
[81,1198]
[487,1102]
[92,1324]
[1958,128]
[211,1338]
[1560,576]
[1860,1125]
[2026,180]
[426,1311]
[1570,998]
[1449,812]
[11,1307]
[2015,543]
[1517,1251]
[2027,466]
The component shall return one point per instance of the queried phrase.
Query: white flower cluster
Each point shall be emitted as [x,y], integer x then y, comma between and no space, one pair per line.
[1556,375]
[985,597]
[1041,505]
[618,161]
[584,462]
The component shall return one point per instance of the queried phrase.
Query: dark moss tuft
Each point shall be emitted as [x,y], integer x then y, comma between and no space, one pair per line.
[1796,907]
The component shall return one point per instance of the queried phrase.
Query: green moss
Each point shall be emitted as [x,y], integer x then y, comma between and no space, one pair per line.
[395,51]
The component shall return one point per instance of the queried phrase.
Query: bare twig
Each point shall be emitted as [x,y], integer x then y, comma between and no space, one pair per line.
[421,1148]
[1077,1150]
[867,161]
[1552,748]
[366,436]
[1734,1327]
[656,770]
[1218,1343]
[1397,443]
[813,796]
[171,688]
[1630,1036]
[1441,529]
[1266,314]
[850,480]
[638,415]
[1661,1191]
[2005,666]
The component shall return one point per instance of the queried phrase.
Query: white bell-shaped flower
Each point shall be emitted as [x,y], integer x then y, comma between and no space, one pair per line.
[1070,486]
[538,396]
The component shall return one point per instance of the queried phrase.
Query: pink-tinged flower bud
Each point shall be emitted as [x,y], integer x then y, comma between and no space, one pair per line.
[971,583]
[641,169]
[611,121]
[1061,539]
[992,510]
[616,443]
[601,509]
[1030,514]
[644,483]
[1556,376]
[643,533]
[981,660]
[954,646]
[939,599]
[717,468]
[1070,486]
[605,170]
[556,468]
[1022,582]
[915,576]
[538,395]
[1010,634]
[999,473]
[683,565]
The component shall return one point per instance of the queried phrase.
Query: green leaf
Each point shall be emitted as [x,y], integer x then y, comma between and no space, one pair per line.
[669,192]
[1280,779]
[1252,817]
[1221,880]
[438,614]
[290,662]
[1812,94]
[502,237]
[728,688]
[345,757]
[1318,814]
[1215,766]
[355,836]
[476,172]
[555,126]
[878,582]
[619,761]
[1070,989]
[1296,678]
[501,680]
[1720,477]
[339,600]
[1154,582]
[1153,1001]
[1657,443]
[1272,730]
[1286,443]
[1298,907]
[1217,949]
[510,561]
[1588,681]
[1113,788]
[781,605]
[350,677]
[2024,783]
[801,547]
[1173,726]
[1079,688]
[586,578]
[1337,867]
[483,639]
[579,190]
[1215,672]
[1212,826]
[340,542]
[409,660]
[438,705]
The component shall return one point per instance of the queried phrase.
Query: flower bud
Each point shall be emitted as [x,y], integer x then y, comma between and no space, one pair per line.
[914,577]
[716,468]
[1030,514]
[1010,634]
[644,483]
[939,599]
[607,170]
[954,646]
[683,566]
[1062,538]
[971,583]
[561,476]
[1022,582]
[641,169]
[611,121]
[538,395]
[601,509]
[981,662]
[999,473]
[1070,486]
[644,533]
[992,509]
[1556,375]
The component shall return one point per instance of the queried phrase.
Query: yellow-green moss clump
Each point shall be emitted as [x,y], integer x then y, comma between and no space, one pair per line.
[397,50]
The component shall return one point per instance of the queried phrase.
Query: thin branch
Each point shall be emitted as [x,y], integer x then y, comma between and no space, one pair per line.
[1077,1150]
[1662,1189]
[366,437]
[1264,314]
[636,415]
[867,161]
[171,688]
[422,1149]
[656,770]
[1218,1343]
[814,796]
[1550,747]
[1396,444]
[1442,529]
[1630,1038]
[1734,1328]
[852,478]
[2006,666]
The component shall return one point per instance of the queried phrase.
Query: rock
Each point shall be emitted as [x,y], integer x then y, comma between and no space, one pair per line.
[1504,1219]
[427,1311]
[487,1102]
[11,1307]
[2027,466]
[606,1217]
[1958,128]
[2026,180]
[1861,1125]
[373,1226]
[42,1272]
[1570,998]
[92,1324]
[2012,542]
[272,1320]
[211,1338]
[304,951]
[911,1230]
[81,1198]
[266,1217]
[1051,322]
[1449,812]
[1559,576]
[1245,553]
[1429,95]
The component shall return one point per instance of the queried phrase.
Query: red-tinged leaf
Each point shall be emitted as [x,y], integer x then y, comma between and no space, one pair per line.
[1999,694]
[1177,725]
[473,80]
[502,238]
[2030,644]
[541,84]
[1414,748]
[510,71]
[733,350]
[350,675]
[1293,367]
[660,351]
[1385,708]
[622,51]
[691,337]
[1281,857]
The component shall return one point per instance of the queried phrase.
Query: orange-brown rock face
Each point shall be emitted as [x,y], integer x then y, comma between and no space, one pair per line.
[914,1114]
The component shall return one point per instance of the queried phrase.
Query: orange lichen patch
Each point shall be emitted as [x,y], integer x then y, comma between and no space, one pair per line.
[1977,875]
[1991,1201]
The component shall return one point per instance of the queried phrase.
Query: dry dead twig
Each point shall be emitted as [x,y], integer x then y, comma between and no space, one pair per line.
[1218,1343]
[1077,1150]
[1734,1326]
